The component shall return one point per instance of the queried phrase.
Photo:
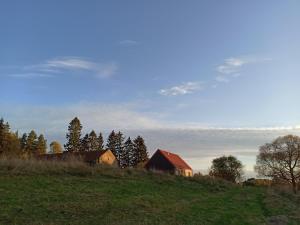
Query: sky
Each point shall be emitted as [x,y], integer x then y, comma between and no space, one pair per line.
[161,68]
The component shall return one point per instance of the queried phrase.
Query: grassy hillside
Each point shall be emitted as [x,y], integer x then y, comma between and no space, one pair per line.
[64,194]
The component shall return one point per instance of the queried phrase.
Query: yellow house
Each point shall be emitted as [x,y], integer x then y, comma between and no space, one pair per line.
[105,157]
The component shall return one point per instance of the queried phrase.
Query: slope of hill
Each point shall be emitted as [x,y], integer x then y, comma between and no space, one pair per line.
[103,196]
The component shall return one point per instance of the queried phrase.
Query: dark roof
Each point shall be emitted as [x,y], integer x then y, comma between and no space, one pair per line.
[174,159]
[56,156]
[86,156]
[91,155]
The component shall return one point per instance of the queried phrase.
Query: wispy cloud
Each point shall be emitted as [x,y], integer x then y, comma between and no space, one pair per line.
[183,89]
[30,75]
[232,67]
[128,42]
[75,64]
[222,79]
[53,119]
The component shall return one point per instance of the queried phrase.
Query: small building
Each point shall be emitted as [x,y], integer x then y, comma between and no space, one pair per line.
[91,157]
[170,163]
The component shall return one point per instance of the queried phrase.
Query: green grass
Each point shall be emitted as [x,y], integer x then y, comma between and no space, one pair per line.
[106,196]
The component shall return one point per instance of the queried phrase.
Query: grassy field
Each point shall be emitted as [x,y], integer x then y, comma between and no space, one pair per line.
[79,195]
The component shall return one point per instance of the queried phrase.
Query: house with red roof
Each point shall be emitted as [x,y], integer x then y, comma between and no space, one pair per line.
[169,162]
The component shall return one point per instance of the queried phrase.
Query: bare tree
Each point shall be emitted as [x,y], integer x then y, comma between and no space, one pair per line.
[280,160]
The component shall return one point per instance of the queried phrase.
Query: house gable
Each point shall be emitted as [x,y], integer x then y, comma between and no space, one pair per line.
[169,162]
[108,158]
[159,162]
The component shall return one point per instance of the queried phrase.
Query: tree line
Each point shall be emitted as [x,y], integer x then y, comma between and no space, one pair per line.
[129,153]
[25,146]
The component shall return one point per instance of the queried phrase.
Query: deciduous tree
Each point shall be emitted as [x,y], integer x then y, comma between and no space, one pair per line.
[55,147]
[280,160]
[227,167]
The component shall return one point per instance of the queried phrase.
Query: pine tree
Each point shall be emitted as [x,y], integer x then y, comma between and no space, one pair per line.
[129,157]
[93,141]
[23,141]
[31,144]
[120,154]
[73,136]
[140,150]
[100,142]
[4,135]
[41,146]
[84,143]
[111,143]
[55,147]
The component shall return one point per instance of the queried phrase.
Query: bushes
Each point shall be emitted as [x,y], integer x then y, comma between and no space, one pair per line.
[17,166]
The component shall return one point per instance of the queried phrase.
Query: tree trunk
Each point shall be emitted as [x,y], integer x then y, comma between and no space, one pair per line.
[294,184]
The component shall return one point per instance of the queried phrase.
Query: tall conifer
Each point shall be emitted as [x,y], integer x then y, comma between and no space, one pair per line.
[111,142]
[93,141]
[31,144]
[100,141]
[23,141]
[119,148]
[84,143]
[140,150]
[73,136]
[129,157]
[41,146]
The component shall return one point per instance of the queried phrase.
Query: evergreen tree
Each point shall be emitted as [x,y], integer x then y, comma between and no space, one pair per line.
[129,157]
[100,142]
[140,150]
[4,135]
[23,142]
[55,147]
[31,144]
[119,148]
[93,141]
[41,146]
[73,136]
[111,143]
[84,143]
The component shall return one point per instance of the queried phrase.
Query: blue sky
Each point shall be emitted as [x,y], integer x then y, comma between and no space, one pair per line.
[150,64]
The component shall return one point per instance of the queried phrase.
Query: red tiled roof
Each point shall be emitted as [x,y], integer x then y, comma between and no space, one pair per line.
[175,160]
